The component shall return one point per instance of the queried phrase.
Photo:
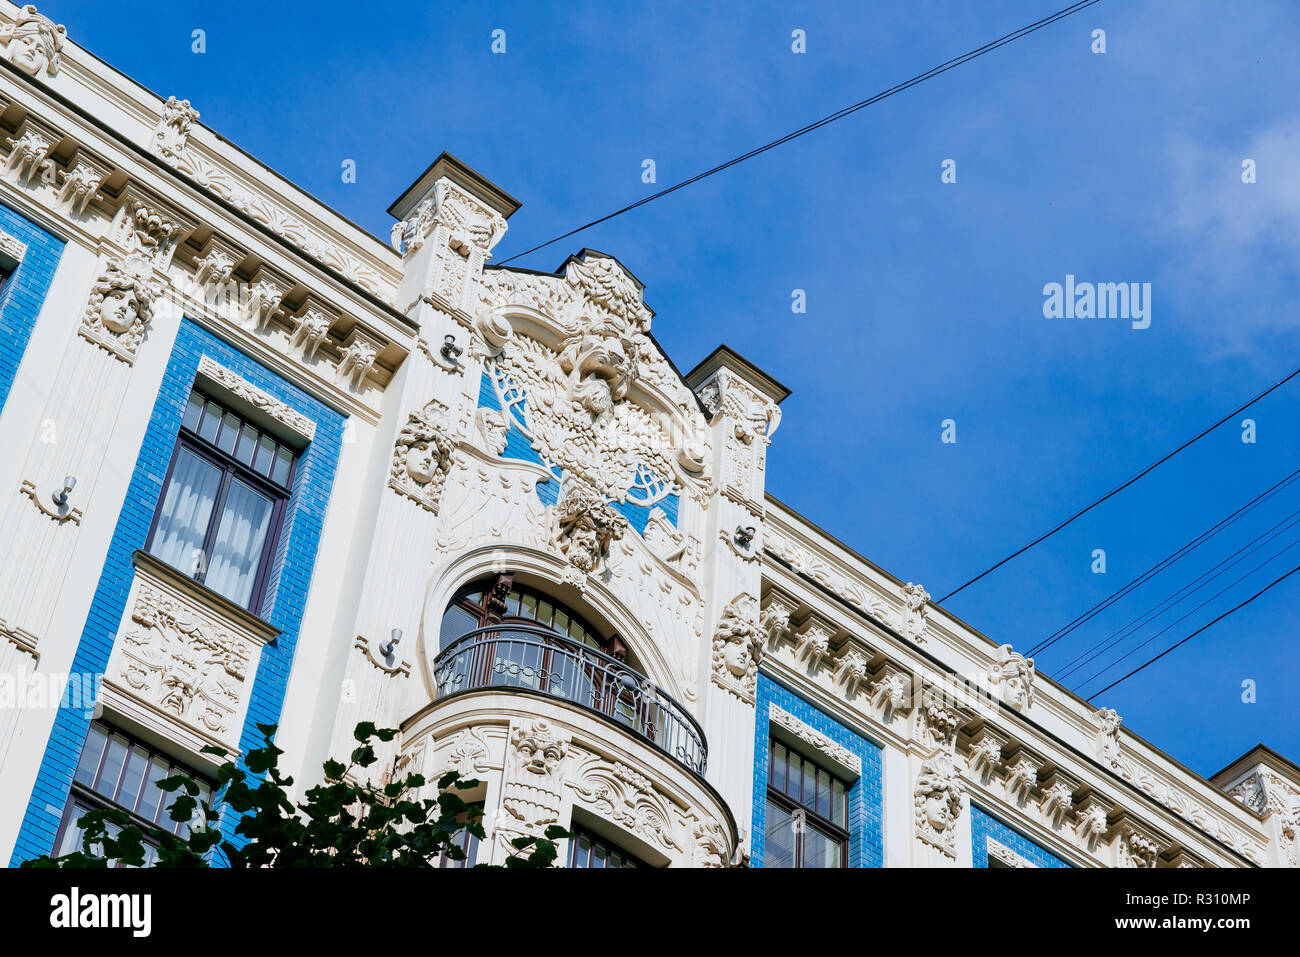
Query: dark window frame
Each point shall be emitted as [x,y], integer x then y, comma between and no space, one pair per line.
[89,798]
[805,816]
[231,469]
[609,847]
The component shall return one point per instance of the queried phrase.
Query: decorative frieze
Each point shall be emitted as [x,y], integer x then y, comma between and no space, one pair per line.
[242,389]
[627,798]
[182,663]
[999,851]
[816,740]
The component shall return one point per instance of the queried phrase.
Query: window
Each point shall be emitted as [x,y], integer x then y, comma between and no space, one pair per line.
[588,850]
[116,771]
[807,813]
[466,841]
[223,502]
[549,662]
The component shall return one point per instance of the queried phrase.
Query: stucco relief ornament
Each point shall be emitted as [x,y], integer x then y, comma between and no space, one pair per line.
[172,133]
[1108,722]
[182,664]
[710,844]
[119,309]
[937,800]
[1013,675]
[534,773]
[912,623]
[585,527]
[626,797]
[33,42]
[738,648]
[422,456]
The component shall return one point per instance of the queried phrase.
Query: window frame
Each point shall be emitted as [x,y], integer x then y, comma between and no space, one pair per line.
[231,468]
[801,814]
[621,700]
[89,799]
[579,832]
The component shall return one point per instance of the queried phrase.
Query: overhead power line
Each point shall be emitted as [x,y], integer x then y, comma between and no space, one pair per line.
[839,114]
[1160,566]
[1178,597]
[1180,643]
[1119,488]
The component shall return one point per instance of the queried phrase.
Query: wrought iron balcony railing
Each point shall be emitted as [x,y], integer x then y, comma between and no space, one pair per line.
[524,656]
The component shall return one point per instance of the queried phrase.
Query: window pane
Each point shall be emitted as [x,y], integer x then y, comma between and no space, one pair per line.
[456,622]
[779,837]
[823,794]
[528,607]
[265,455]
[150,796]
[841,812]
[211,421]
[820,850]
[129,792]
[72,836]
[186,511]
[193,409]
[247,445]
[90,756]
[283,461]
[237,549]
[112,769]
[809,784]
[229,434]
[778,767]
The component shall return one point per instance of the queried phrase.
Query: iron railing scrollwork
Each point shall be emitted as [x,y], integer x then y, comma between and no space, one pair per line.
[534,658]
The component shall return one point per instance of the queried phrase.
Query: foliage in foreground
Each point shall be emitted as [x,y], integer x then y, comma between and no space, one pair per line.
[341,823]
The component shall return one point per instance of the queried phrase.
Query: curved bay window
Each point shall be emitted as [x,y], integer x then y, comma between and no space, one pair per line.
[495,633]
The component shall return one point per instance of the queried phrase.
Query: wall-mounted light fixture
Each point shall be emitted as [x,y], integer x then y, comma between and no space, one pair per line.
[450,351]
[60,496]
[744,536]
[386,649]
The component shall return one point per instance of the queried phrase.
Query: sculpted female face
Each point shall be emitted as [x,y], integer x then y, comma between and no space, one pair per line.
[936,810]
[736,657]
[119,310]
[422,462]
[29,52]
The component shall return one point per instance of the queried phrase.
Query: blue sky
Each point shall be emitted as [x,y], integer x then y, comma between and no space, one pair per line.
[924,299]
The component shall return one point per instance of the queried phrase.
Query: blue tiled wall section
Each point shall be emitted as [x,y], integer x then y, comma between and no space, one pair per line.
[294,562]
[23,294]
[866,822]
[984,826]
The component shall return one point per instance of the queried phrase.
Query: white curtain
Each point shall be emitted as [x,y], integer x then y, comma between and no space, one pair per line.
[238,546]
[186,510]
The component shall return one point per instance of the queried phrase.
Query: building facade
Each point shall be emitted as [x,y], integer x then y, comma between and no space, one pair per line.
[265,468]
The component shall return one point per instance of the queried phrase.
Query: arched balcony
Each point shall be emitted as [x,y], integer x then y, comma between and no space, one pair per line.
[532,643]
